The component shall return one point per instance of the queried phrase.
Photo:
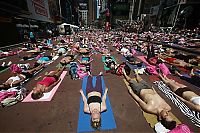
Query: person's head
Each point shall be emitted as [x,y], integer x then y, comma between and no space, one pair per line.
[37,93]
[193,61]
[95,119]
[166,120]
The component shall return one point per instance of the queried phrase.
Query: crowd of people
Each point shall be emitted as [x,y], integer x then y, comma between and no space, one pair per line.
[158,60]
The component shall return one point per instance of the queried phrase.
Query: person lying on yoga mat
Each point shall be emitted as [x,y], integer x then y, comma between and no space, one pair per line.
[67,59]
[190,59]
[117,68]
[27,73]
[84,50]
[47,83]
[18,76]
[44,59]
[13,81]
[184,93]
[85,60]
[149,100]
[110,62]
[176,62]
[95,103]
[193,79]
[134,61]
[29,56]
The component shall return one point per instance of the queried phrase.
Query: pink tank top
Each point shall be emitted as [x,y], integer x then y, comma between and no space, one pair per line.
[47,81]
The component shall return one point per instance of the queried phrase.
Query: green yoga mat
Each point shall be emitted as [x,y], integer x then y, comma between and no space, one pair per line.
[103,60]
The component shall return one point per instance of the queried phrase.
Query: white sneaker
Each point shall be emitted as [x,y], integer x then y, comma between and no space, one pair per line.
[136,71]
[141,71]
[3,64]
[9,63]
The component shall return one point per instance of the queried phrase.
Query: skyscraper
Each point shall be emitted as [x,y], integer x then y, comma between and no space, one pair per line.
[92,12]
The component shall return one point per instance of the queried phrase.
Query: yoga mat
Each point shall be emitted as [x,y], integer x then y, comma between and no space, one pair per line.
[194,116]
[47,96]
[103,60]
[151,118]
[133,66]
[153,78]
[198,73]
[68,65]
[186,75]
[107,117]
[3,58]
[4,69]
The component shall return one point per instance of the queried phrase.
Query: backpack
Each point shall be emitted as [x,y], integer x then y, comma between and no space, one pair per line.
[164,69]
[120,67]
[152,70]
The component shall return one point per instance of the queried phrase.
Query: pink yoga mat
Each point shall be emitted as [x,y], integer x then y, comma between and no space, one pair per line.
[47,96]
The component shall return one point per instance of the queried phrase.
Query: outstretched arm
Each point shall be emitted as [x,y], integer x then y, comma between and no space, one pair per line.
[104,107]
[22,78]
[86,108]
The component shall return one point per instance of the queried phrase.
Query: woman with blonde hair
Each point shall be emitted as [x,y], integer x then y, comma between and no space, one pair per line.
[95,103]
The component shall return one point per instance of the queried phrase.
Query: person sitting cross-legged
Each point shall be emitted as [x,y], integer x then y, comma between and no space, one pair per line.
[149,100]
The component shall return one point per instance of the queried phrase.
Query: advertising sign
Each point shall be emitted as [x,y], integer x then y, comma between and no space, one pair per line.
[39,10]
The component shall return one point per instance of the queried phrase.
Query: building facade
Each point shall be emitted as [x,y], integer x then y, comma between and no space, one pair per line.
[83,13]
[9,11]
[179,13]
[92,11]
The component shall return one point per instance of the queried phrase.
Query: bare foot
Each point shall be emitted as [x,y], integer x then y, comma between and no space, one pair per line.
[101,73]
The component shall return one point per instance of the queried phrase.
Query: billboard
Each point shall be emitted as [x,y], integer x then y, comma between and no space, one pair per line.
[39,10]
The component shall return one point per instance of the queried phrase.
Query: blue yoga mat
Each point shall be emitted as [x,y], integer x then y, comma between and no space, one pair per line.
[107,117]
[186,75]
[133,66]
[198,73]
[85,58]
